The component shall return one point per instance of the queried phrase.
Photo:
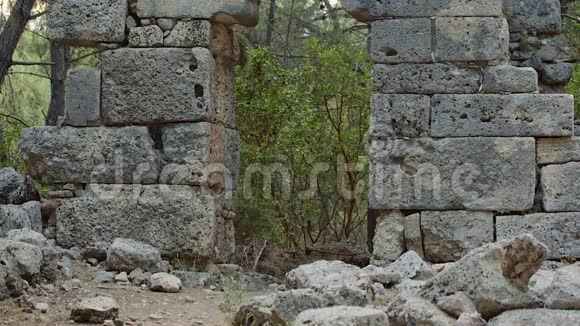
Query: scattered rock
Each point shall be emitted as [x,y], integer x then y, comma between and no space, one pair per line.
[95,310]
[342,315]
[323,274]
[411,266]
[28,236]
[536,317]
[163,282]
[138,277]
[456,304]
[564,291]
[471,319]
[122,277]
[104,277]
[16,189]
[125,255]
[98,252]
[41,306]
[380,275]
[197,279]
[408,310]
[11,285]
[23,258]
[494,276]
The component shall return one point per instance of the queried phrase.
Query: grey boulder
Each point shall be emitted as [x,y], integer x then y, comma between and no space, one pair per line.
[342,315]
[125,255]
[163,282]
[95,310]
[536,317]
[16,189]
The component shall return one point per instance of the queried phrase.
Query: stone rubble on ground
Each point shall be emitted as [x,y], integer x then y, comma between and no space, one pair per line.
[163,282]
[95,310]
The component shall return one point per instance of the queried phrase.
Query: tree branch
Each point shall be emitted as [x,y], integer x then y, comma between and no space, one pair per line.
[572,17]
[15,118]
[23,63]
[34,16]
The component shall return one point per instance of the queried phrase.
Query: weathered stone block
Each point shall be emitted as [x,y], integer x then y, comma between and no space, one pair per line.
[171,218]
[533,16]
[426,79]
[401,40]
[448,236]
[85,155]
[453,173]
[558,150]
[413,235]
[557,73]
[157,85]
[146,36]
[243,12]
[26,216]
[395,115]
[366,10]
[471,39]
[83,98]
[198,150]
[502,115]
[510,79]
[389,239]
[87,21]
[558,231]
[190,33]
[561,187]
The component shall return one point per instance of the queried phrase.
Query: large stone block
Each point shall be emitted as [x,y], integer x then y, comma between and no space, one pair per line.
[171,218]
[83,98]
[401,40]
[26,216]
[389,239]
[558,150]
[90,155]
[426,79]
[413,234]
[157,86]
[190,33]
[502,115]
[480,39]
[87,21]
[145,36]
[229,12]
[453,173]
[561,187]
[510,79]
[400,115]
[533,16]
[448,236]
[366,10]
[197,150]
[558,231]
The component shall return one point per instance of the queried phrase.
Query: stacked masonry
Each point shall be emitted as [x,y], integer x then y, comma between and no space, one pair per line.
[148,148]
[465,150]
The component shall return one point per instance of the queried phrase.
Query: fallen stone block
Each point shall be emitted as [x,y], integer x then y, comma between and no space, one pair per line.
[400,115]
[342,315]
[426,79]
[229,12]
[83,98]
[558,231]
[558,150]
[561,187]
[90,155]
[495,276]
[448,236]
[15,188]
[175,85]
[26,216]
[11,285]
[126,255]
[190,33]
[457,304]
[479,39]
[87,21]
[185,218]
[401,40]
[453,173]
[366,10]
[514,115]
[27,236]
[536,317]
[22,258]
[411,266]
[163,282]
[409,310]
[510,79]
[323,274]
[95,310]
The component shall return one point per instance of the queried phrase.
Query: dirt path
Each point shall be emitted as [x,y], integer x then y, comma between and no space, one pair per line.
[189,307]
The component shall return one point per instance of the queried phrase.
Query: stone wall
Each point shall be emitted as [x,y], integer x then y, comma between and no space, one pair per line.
[467,147]
[148,148]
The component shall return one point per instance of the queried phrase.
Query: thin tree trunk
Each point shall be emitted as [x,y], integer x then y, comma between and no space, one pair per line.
[271,18]
[59,55]
[11,34]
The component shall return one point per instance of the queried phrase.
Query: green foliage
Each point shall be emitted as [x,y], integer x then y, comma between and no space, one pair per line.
[234,291]
[296,120]
[574,89]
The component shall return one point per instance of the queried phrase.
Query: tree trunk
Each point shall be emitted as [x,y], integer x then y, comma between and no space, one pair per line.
[59,55]
[11,34]
[271,18]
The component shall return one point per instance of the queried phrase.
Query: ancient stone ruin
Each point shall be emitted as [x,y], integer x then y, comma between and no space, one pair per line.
[147,149]
[472,138]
